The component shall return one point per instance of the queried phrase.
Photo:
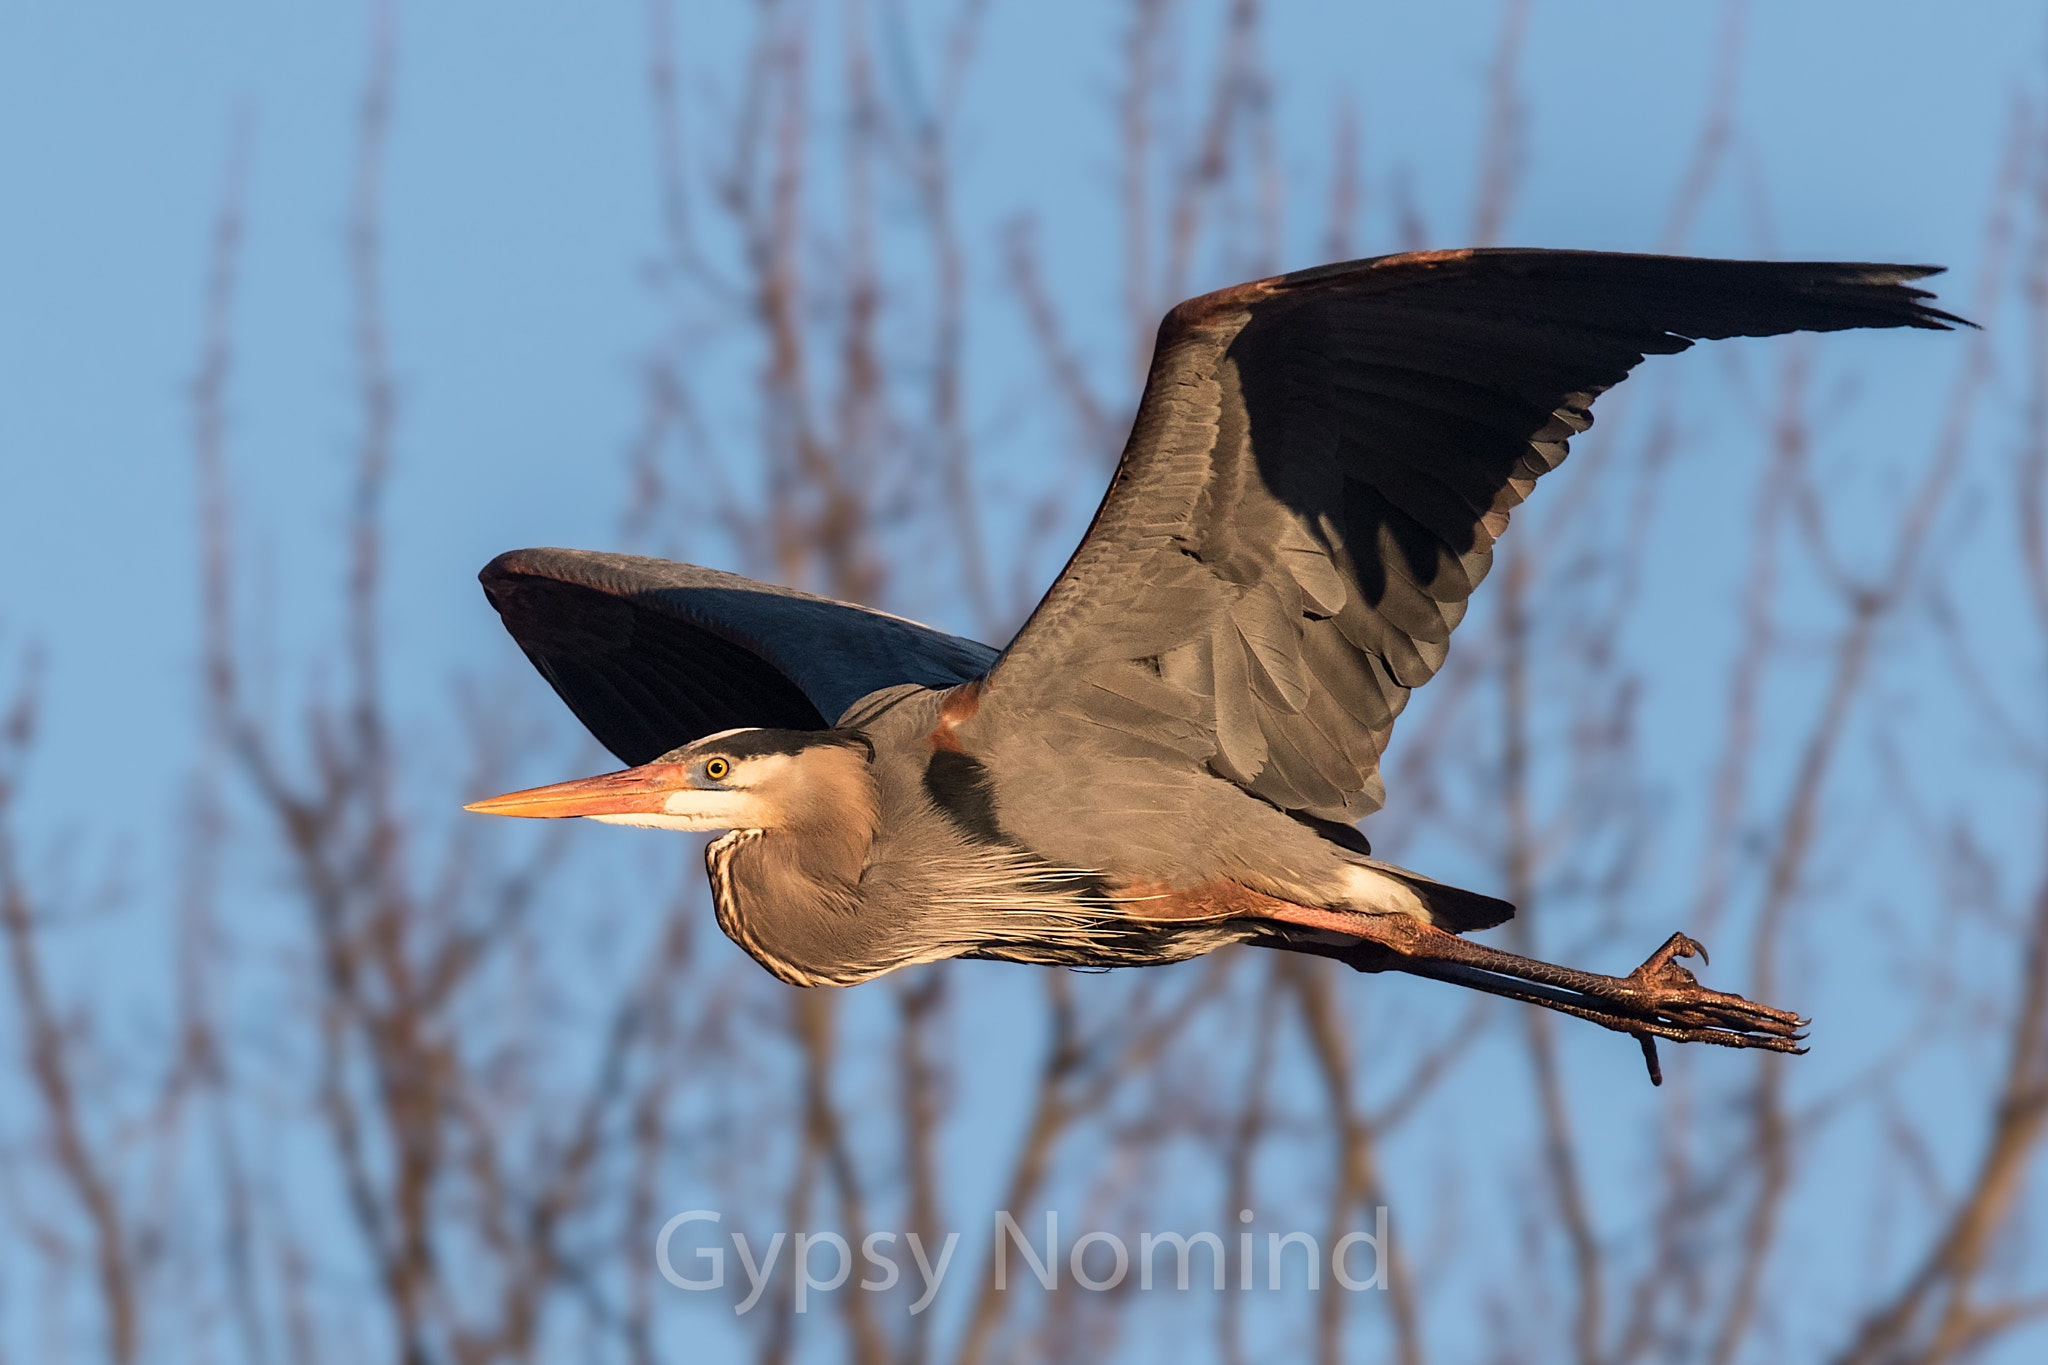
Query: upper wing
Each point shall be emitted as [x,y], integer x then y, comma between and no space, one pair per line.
[651,655]
[1316,477]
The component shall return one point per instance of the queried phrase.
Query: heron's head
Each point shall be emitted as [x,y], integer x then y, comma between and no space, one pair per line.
[813,781]
[786,900]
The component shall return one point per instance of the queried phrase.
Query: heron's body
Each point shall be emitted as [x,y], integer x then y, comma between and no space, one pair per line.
[952,869]
[1173,752]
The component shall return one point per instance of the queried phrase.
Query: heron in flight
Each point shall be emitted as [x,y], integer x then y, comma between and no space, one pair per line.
[1174,751]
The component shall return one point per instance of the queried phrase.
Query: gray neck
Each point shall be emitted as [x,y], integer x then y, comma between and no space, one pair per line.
[793,905]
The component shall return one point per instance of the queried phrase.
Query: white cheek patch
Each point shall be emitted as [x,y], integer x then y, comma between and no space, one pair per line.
[694,811]
[650,820]
[767,770]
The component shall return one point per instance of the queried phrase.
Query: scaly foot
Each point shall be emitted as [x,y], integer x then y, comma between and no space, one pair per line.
[1659,999]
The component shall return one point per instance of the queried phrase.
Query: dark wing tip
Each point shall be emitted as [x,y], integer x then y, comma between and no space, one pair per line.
[1882,287]
[1933,319]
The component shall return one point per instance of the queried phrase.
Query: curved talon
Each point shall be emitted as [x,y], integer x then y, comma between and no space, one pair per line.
[1677,946]
[1674,995]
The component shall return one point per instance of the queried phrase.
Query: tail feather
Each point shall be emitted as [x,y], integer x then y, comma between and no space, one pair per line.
[1383,888]
[1458,910]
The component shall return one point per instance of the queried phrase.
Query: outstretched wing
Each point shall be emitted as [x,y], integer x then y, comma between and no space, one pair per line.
[651,655]
[1316,477]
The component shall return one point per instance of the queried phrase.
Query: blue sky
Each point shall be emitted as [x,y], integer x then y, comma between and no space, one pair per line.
[522,211]
[521,207]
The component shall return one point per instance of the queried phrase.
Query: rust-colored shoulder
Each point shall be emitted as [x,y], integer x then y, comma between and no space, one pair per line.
[955,710]
[1207,309]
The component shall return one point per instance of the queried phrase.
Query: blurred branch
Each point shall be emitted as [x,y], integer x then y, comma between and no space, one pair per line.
[1080,1074]
[201,1053]
[814,1013]
[1347,187]
[1717,130]
[1358,1183]
[929,153]
[376,390]
[1559,1145]
[1795,828]
[1237,99]
[1756,645]
[81,1166]
[1504,153]
[1939,1314]
[1243,1140]
[920,1003]
[1069,375]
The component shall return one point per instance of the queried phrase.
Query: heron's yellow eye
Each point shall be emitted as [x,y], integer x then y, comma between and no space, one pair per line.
[716,769]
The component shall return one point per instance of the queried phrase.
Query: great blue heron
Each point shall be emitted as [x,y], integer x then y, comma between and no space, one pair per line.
[1172,753]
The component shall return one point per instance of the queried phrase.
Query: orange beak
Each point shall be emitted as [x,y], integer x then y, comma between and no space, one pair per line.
[644,790]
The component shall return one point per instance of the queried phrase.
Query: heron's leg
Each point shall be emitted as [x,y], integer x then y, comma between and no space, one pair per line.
[1659,999]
